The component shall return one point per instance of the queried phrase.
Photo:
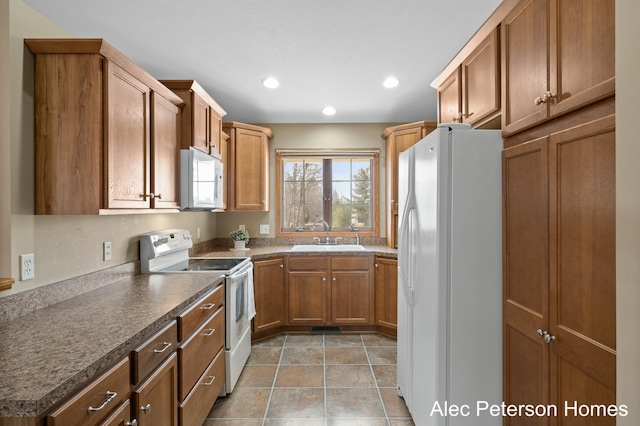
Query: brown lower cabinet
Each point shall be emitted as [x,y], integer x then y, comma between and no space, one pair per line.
[559,306]
[330,290]
[268,278]
[155,400]
[386,290]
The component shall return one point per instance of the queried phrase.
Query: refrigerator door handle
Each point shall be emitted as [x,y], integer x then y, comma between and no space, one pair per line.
[406,232]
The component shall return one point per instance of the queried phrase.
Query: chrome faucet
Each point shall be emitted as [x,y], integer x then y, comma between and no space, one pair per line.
[326,230]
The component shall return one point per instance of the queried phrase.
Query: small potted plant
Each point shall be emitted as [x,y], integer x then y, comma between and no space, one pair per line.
[240,237]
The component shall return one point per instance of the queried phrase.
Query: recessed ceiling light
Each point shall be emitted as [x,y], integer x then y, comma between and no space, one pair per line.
[391,82]
[270,83]
[329,110]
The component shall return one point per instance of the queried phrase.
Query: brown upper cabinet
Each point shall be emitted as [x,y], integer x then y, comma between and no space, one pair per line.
[471,94]
[106,132]
[247,167]
[558,56]
[398,139]
[201,117]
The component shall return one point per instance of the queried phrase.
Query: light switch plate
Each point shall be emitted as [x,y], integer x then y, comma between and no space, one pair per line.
[106,250]
[264,229]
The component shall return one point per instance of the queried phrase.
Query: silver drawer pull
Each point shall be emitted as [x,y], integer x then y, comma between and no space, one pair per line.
[146,408]
[208,306]
[110,396]
[165,346]
[210,382]
[209,332]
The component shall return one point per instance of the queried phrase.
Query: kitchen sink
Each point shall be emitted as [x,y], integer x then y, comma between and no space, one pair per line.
[320,247]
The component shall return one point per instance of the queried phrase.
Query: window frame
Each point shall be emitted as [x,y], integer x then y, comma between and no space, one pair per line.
[372,153]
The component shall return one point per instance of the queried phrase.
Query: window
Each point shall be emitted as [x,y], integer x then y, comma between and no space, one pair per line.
[338,187]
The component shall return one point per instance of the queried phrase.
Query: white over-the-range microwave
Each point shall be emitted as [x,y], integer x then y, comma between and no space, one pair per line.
[201,181]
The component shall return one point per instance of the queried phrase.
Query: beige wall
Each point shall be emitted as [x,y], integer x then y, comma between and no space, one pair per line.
[628,207]
[308,136]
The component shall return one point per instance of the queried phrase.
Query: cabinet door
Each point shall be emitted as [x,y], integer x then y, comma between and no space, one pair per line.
[224,158]
[386,292]
[525,277]
[128,141]
[351,297]
[268,282]
[524,65]
[582,266]
[307,297]
[481,81]
[449,99]
[582,52]
[120,417]
[200,123]
[250,156]
[165,142]
[397,142]
[156,400]
[215,132]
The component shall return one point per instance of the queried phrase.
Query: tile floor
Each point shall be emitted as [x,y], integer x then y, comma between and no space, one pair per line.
[316,380]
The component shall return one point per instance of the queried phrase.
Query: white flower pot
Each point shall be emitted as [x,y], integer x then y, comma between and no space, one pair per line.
[238,245]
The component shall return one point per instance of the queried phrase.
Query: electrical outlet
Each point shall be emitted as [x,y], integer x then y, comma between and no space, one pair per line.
[264,229]
[241,227]
[27,267]
[106,250]
[198,233]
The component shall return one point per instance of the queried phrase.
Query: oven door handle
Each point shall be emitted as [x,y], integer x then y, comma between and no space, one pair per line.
[241,272]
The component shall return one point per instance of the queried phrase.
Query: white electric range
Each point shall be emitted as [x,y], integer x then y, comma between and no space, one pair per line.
[168,252]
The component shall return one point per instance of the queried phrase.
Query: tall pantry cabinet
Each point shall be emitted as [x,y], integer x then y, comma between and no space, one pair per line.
[559,321]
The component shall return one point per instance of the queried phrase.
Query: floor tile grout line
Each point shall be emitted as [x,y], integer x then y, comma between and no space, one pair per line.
[273,383]
[375,380]
[324,378]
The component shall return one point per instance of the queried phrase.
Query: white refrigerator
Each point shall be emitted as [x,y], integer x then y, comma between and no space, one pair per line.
[449,277]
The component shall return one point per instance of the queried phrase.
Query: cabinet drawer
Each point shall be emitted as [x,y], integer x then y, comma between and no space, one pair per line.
[93,403]
[196,406]
[307,263]
[351,263]
[151,353]
[193,316]
[198,350]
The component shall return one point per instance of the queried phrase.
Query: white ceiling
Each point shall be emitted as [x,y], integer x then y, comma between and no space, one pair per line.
[331,52]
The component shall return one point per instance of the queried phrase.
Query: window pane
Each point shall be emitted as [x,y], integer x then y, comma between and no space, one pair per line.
[361,169]
[341,193]
[341,169]
[340,215]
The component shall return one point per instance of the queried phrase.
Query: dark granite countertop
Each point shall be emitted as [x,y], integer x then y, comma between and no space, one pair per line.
[265,252]
[52,352]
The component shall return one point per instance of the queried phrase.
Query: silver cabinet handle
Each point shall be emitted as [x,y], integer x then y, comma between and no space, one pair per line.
[210,382]
[146,408]
[133,422]
[324,279]
[208,306]
[544,98]
[544,335]
[209,332]
[333,279]
[165,346]
[110,397]
[282,266]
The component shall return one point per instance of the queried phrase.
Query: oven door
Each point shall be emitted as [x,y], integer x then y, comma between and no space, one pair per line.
[239,304]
